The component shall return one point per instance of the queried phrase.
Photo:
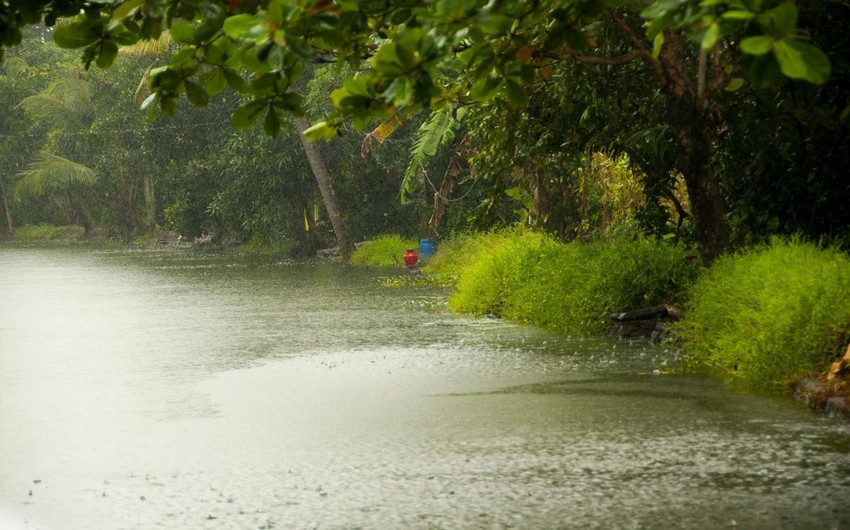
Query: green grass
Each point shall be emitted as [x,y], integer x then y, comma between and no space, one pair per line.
[767,316]
[572,288]
[386,249]
[45,232]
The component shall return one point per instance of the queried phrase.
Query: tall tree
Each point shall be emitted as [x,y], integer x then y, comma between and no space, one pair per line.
[323,179]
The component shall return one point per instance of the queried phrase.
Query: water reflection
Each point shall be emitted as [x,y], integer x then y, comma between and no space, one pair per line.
[182,390]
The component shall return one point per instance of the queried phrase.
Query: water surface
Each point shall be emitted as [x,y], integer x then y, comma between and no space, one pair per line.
[176,389]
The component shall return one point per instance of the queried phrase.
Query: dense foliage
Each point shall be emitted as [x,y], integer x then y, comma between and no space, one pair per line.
[770,314]
[77,150]
[529,277]
[663,81]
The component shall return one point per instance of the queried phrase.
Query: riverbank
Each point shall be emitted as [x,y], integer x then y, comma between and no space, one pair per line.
[764,319]
[770,320]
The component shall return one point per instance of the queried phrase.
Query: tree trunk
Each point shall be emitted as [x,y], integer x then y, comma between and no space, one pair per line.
[694,121]
[9,225]
[150,204]
[709,213]
[323,179]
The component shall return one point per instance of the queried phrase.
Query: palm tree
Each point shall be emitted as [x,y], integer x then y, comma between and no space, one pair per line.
[57,178]
[323,179]
[65,102]
[10,226]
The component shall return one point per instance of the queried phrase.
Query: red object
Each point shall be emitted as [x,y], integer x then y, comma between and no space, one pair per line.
[411,258]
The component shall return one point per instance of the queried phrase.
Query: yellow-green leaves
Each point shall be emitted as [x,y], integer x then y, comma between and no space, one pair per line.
[182,32]
[799,60]
[757,45]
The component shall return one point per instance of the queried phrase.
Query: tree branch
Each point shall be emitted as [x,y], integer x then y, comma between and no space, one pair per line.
[642,50]
[595,59]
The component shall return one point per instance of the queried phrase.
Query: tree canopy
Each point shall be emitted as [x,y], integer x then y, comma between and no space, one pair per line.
[503,57]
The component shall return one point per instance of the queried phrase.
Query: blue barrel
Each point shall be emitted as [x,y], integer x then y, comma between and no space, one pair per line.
[426,249]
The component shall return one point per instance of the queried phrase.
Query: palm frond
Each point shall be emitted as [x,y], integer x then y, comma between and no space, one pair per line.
[48,173]
[148,47]
[15,67]
[65,97]
[437,130]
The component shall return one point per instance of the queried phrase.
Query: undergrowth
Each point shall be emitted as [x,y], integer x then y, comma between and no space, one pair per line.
[386,249]
[769,315]
[573,288]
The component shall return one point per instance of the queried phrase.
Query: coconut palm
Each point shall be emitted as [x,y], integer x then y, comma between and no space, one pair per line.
[66,103]
[60,179]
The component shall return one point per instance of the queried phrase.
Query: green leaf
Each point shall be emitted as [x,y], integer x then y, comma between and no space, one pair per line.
[734,84]
[168,106]
[271,125]
[323,130]
[107,55]
[149,101]
[241,26]
[800,60]
[196,94]
[183,56]
[738,15]
[515,93]
[215,82]
[657,44]
[248,115]
[485,89]
[236,81]
[784,18]
[207,29]
[758,45]
[763,71]
[712,34]
[75,35]
[182,32]
[658,25]
[275,58]
[125,9]
[493,23]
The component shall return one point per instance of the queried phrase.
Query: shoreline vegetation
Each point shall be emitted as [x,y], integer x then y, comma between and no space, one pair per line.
[773,318]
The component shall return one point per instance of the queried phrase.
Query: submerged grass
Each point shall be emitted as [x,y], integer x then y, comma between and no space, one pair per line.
[769,315]
[573,288]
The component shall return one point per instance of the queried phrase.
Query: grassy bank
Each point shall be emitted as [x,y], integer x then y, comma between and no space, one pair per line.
[760,318]
[45,232]
[387,249]
[765,317]
[573,288]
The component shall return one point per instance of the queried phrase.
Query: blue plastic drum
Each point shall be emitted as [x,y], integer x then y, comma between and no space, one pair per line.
[426,249]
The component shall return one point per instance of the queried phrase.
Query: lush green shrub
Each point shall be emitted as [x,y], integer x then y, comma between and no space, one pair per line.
[569,287]
[387,249]
[455,255]
[496,265]
[769,315]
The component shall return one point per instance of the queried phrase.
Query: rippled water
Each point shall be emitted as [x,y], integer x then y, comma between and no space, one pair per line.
[174,389]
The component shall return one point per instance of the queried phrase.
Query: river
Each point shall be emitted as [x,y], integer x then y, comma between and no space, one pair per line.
[144,389]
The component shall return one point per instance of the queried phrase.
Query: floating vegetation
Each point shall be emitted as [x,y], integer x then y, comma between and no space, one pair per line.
[439,280]
[429,305]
